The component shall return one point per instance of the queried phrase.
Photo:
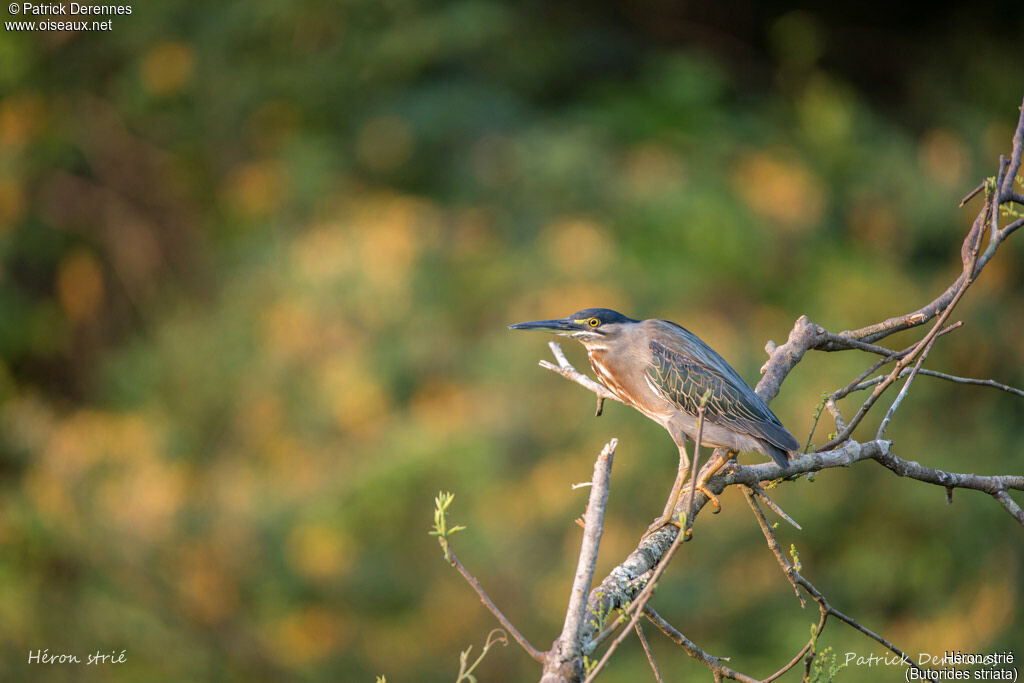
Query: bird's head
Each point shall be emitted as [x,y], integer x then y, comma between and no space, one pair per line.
[590,327]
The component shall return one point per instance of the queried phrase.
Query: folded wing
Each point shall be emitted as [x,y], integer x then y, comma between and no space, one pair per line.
[686,369]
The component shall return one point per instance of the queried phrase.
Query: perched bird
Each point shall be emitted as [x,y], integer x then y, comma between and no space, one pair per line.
[664,371]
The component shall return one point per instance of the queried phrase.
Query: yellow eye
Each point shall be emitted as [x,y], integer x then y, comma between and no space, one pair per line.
[593,322]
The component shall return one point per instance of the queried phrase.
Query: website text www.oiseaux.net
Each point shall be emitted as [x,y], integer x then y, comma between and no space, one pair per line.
[73,16]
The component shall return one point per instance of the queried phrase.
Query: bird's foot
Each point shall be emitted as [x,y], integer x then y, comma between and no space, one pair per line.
[712,498]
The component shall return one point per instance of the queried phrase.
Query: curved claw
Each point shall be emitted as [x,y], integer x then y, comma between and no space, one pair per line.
[712,498]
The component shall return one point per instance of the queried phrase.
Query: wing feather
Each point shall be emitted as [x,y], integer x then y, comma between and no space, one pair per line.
[685,374]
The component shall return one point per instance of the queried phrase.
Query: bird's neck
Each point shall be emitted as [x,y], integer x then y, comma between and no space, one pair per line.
[605,374]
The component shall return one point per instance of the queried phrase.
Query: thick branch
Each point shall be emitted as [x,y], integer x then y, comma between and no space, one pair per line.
[645,595]
[625,581]
[997,486]
[1006,189]
[804,336]
[566,651]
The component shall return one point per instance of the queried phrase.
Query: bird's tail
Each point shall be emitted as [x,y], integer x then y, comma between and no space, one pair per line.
[780,456]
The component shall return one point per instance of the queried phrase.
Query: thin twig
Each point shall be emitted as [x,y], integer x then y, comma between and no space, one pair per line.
[773,543]
[908,358]
[566,369]
[519,637]
[849,621]
[791,574]
[840,343]
[647,651]
[836,415]
[949,378]
[814,424]
[806,649]
[774,506]
[972,193]
[842,393]
[904,390]
[712,662]
[796,577]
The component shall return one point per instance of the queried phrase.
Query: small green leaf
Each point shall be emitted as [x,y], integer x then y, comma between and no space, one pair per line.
[495,637]
[441,530]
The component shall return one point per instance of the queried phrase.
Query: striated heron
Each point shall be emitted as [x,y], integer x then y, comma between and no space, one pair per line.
[664,371]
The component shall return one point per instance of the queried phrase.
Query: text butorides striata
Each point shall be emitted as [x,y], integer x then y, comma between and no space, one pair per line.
[664,370]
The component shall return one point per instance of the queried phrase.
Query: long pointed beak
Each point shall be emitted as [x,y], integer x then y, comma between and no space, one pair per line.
[563,325]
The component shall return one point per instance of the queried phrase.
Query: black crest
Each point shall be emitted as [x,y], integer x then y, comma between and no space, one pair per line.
[605,315]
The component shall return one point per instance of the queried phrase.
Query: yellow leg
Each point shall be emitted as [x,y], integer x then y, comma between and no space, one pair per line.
[709,471]
[668,516]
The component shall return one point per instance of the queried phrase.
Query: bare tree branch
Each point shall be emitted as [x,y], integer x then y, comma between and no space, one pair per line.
[1002,192]
[970,380]
[922,347]
[636,607]
[906,388]
[827,610]
[949,378]
[567,650]
[629,586]
[773,543]
[630,578]
[565,369]
[996,486]
[1003,497]
[519,637]
[712,662]
[1005,190]
[647,650]
[970,195]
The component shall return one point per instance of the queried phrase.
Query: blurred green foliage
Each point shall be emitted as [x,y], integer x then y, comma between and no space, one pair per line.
[257,260]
